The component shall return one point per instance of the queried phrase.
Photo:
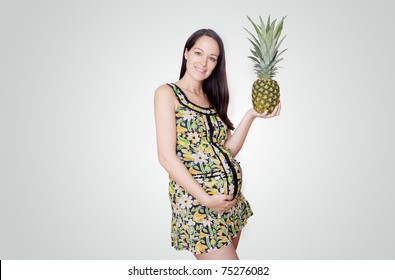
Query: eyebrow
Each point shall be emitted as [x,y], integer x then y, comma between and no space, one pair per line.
[204,51]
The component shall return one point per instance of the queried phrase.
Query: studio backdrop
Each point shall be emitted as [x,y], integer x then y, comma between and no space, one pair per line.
[79,174]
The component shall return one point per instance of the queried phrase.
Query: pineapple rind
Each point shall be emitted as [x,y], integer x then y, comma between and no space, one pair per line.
[265,95]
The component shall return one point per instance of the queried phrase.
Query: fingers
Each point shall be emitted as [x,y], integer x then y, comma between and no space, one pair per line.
[230,203]
[223,203]
[264,114]
[275,112]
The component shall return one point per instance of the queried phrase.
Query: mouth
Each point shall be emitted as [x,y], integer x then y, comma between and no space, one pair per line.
[201,70]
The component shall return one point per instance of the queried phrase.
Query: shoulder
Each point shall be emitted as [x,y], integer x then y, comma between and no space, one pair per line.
[164,94]
[164,90]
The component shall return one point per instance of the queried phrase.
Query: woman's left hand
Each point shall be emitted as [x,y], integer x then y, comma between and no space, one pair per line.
[265,114]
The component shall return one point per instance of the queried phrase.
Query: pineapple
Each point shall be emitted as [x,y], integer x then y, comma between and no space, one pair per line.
[266,55]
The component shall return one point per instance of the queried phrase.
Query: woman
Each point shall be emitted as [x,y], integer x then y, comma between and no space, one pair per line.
[197,149]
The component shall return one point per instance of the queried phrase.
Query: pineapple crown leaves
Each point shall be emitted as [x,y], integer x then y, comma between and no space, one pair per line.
[266,44]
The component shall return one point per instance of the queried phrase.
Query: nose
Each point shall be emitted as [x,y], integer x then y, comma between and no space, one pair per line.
[203,60]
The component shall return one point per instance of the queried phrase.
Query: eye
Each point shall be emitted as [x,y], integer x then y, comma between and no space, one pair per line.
[198,53]
[213,59]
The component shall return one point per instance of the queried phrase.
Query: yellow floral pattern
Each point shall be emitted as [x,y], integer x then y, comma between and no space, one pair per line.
[201,135]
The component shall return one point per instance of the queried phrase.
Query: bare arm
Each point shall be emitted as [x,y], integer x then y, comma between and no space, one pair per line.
[236,140]
[165,103]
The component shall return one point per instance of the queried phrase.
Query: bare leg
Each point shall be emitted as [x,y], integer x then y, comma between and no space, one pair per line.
[225,253]
[235,241]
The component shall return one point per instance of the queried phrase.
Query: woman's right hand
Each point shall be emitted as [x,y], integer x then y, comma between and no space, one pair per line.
[220,202]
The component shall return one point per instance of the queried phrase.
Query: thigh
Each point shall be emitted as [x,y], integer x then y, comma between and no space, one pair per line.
[235,240]
[225,253]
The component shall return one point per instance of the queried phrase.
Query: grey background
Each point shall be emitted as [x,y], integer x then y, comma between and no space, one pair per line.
[79,177]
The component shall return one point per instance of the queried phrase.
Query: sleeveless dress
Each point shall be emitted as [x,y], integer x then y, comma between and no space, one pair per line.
[201,135]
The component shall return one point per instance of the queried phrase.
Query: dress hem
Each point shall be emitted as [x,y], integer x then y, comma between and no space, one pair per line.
[211,250]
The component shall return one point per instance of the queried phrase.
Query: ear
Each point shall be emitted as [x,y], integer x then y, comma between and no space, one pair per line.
[185,54]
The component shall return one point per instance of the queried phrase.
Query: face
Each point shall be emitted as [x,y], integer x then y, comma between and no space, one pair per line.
[202,58]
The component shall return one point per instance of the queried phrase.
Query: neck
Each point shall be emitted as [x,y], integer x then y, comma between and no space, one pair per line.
[191,85]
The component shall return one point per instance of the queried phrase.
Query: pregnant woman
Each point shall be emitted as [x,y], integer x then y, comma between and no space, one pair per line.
[197,149]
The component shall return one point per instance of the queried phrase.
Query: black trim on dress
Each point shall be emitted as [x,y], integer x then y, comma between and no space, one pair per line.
[229,162]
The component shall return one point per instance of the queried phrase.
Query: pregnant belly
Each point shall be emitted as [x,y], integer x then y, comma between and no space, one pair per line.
[221,182]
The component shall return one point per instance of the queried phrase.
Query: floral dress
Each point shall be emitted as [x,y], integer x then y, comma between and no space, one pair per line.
[201,135]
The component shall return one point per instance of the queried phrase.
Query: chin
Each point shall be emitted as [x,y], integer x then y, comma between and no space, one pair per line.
[199,78]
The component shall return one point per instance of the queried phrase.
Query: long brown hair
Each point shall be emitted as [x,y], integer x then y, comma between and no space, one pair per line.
[216,85]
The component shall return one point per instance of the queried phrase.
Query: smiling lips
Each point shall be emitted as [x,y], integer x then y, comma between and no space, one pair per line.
[201,70]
